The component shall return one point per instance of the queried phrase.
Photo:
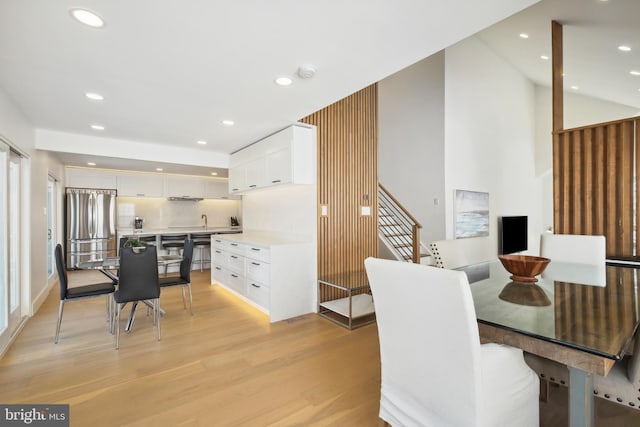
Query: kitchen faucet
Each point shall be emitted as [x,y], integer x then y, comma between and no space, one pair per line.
[205,220]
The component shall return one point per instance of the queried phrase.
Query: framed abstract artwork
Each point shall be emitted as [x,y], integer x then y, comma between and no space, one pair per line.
[471,210]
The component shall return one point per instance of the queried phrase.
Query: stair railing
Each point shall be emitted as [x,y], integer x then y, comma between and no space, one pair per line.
[398,227]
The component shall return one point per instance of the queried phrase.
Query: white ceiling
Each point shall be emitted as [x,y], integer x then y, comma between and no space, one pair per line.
[171,70]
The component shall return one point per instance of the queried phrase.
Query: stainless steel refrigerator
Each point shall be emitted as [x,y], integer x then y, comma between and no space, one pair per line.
[90,225]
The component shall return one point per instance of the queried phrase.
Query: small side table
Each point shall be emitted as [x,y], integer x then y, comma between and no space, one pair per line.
[346,299]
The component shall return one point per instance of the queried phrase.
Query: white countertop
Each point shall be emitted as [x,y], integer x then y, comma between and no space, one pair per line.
[263,238]
[176,230]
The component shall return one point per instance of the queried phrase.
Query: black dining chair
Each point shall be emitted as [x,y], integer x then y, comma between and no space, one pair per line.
[138,281]
[78,292]
[184,279]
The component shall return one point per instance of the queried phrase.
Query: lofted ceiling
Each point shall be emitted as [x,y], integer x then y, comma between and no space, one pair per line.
[592,32]
[171,71]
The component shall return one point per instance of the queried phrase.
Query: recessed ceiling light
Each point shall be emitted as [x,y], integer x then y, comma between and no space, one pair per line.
[524,35]
[283,81]
[201,142]
[575,87]
[87,17]
[91,164]
[634,72]
[97,127]
[94,96]
[214,173]
[624,48]
[545,57]
[228,122]
[159,169]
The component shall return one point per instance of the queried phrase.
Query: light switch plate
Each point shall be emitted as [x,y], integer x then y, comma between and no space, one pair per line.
[324,211]
[365,210]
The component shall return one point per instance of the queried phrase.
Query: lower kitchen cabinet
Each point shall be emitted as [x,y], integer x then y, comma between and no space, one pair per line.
[275,275]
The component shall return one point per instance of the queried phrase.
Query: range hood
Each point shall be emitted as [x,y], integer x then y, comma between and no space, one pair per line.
[184,199]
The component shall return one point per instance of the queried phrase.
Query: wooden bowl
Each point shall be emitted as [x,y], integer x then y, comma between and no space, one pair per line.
[524,268]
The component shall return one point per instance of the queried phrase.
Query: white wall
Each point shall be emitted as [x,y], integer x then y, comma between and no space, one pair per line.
[411,142]
[291,210]
[16,129]
[489,141]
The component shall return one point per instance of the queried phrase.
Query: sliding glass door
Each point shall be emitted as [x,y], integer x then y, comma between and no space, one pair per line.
[10,266]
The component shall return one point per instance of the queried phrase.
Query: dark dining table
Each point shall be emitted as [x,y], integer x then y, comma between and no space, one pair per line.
[109,267]
[582,316]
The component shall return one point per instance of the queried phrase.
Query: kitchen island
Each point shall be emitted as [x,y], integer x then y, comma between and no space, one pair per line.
[156,235]
[272,272]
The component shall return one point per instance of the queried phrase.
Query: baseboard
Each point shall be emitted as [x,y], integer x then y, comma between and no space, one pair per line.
[40,299]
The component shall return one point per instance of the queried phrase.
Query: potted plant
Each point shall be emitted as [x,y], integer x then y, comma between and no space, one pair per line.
[135,244]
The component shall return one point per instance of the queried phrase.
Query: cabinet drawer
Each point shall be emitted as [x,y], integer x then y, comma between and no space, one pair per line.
[236,282]
[257,252]
[218,243]
[219,273]
[257,270]
[235,247]
[258,293]
[235,262]
[218,256]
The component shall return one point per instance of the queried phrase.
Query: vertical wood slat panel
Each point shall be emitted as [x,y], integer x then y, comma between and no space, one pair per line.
[347,171]
[593,173]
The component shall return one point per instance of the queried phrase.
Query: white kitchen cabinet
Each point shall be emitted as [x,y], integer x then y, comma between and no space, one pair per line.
[278,167]
[140,185]
[90,178]
[214,189]
[237,179]
[184,186]
[286,157]
[255,174]
[275,275]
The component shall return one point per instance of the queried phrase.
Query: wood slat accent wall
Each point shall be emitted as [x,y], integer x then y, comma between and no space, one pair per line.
[347,180]
[593,183]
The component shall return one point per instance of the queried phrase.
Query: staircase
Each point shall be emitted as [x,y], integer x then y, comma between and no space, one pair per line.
[398,230]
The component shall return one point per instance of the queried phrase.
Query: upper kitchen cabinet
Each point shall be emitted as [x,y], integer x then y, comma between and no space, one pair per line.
[184,186]
[89,178]
[214,189]
[286,157]
[140,185]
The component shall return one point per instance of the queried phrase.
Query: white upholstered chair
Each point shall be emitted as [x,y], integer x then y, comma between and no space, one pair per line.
[448,254]
[573,248]
[435,372]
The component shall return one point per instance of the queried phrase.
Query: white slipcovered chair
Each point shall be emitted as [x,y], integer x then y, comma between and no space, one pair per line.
[448,254]
[435,372]
[573,248]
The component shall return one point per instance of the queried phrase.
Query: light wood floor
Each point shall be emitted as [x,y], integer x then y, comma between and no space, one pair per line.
[225,366]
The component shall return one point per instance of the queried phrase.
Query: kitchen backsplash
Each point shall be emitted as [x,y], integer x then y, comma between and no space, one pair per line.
[162,213]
